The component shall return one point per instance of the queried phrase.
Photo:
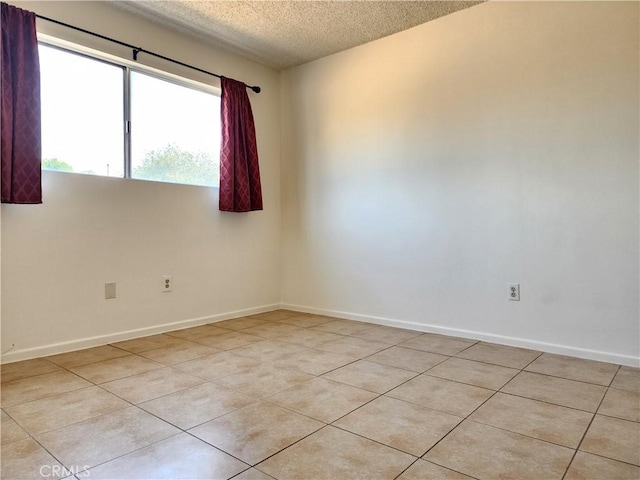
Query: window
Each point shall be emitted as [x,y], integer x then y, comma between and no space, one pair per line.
[82,114]
[104,118]
[175,132]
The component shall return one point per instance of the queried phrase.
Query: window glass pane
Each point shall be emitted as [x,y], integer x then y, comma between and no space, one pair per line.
[175,132]
[82,114]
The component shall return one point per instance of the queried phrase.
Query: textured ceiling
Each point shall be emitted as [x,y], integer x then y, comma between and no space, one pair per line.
[284,33]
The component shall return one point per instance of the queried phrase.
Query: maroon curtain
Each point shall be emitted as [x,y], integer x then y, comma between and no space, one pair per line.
[20,146]
[240,189]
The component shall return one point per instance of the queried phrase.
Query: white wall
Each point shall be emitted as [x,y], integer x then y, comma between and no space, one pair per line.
[425,171]
[57,256]
[421,174]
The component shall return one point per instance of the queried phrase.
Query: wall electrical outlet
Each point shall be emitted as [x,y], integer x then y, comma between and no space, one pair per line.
[109,290]
[167,283]
[514,292]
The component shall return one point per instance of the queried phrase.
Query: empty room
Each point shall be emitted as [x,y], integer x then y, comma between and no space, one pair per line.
[306,240]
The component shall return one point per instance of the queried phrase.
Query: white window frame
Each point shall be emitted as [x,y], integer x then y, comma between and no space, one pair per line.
[128,66]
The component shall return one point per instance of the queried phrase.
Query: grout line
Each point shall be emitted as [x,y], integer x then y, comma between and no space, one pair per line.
[52,455]
[467,347]
[408,467]
[291,445]
[606,458]
[220,450]
[374,441]
[614,377]
[60,369]
[582,438]
[127,353]
[528,364]
[438,465]
[485,362]
[266,399]
[73,422]
[461,422]
[133,451]
[546,402]
[520,433]
[425,373]
[565,378]
[465,383]
[449,468]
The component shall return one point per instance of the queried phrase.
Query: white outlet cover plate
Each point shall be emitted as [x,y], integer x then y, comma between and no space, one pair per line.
[109,290]
[514,292]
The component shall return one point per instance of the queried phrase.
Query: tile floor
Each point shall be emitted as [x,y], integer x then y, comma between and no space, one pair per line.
[295,396]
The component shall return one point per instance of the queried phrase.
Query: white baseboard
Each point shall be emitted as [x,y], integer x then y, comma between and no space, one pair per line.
[79,344]
[473,335]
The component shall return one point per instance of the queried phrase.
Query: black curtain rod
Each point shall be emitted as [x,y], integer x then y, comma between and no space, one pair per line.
[137,50]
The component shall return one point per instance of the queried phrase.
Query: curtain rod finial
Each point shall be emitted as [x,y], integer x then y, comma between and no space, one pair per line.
[256,89]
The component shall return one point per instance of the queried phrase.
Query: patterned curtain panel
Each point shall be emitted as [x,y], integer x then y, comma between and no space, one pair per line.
[20,146]
[240,189]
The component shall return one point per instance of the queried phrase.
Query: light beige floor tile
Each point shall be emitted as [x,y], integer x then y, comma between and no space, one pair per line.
[486,452]
[270,350]
[568,393]
[384,334]
[444,395]
[149,385]
[310,338]
[502,355]
[255,432]
[332,454]
[41,386]
[544,421]
[627,379]
[151,342]
[230,340]
[198,333]
[442,344]
[217,365]
[10,430]
[423,470]
[407,358]
[104,438]
[276,315]
[193,406]
[306,320]
[322,399]
[25,459]
[61,410]
[27,368]
[182,352]
[178,457]
[623,404]
[581,370]
[272,330]
[408,427]
[240,323]
[591,467]
[315,362]
[88,355]
[474,373]
[613,438]
[341,327]
[370,376]
[353,347]
[108,370]
[253,474]
[264,380]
